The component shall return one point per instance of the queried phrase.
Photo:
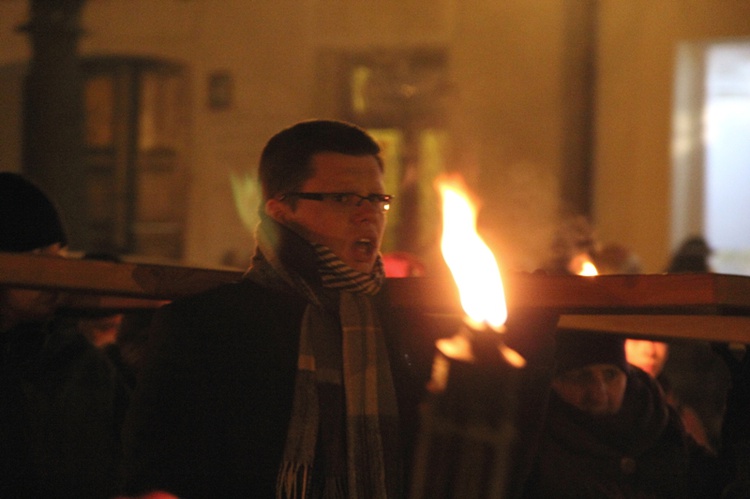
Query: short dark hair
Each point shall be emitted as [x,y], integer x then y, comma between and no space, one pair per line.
[285,163]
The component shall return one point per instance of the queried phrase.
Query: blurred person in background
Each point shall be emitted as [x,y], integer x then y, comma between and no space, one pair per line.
[61,400]
[693,255]
[101,327]
[615,258]
[651,357]
[609,432]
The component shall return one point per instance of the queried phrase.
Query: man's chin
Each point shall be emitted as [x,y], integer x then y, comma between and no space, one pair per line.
[365,268]
[361,266]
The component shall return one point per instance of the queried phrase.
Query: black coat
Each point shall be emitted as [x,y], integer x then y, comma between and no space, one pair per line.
[641,452]
[212,406]
[61,406]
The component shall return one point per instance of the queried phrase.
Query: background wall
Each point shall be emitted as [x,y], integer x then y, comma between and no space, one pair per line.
[637,51]
[514,111]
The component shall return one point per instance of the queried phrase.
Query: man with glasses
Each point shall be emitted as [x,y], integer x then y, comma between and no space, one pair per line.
[291,382]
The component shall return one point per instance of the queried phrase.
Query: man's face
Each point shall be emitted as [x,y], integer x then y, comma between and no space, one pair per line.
[596,389]
[353,233]
[648,355]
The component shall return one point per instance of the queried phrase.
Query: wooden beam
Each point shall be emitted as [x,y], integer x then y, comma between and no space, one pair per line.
[722,328]
[711,307]
[706,307]
[95,277]
[676,294]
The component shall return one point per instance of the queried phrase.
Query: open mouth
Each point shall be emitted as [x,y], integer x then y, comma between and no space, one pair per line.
[364,247]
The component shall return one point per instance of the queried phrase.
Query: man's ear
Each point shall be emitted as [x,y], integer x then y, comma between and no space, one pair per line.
[276,209]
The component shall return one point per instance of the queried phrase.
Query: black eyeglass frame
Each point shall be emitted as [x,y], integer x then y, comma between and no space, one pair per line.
[383,200]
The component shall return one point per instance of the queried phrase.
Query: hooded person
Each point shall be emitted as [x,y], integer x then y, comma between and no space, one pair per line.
[61,401]
[609,432]
[29,223]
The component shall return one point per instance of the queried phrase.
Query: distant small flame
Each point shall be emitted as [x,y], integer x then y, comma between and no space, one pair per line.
[588,268]
[582,265]
[470,260]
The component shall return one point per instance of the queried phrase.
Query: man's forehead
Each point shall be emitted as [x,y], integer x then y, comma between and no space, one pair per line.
[333,159]
[332,167]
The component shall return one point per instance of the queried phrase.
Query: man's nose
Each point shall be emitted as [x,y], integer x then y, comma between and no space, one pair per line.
[366,201]
[597,388]
[366,208]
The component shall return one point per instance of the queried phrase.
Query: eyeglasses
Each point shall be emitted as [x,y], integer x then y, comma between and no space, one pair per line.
[345,199]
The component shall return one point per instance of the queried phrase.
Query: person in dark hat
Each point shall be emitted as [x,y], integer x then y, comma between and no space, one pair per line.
[693,255]
[609,432]
[61,401]
[591,372]
[28,218]
[29,223]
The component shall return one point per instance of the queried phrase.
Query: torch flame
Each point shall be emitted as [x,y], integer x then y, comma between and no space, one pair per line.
[470,260]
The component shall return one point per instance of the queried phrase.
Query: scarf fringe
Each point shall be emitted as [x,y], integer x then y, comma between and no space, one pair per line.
[334,489]
[289,483]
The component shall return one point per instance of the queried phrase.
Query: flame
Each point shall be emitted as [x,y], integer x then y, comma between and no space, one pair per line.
[588,268]
[470,260]
[583,266]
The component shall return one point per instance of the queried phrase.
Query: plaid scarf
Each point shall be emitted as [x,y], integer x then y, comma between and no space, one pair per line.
[342,440]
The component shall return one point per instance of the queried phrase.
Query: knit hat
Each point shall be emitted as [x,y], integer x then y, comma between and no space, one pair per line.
[577,348]
[28,219]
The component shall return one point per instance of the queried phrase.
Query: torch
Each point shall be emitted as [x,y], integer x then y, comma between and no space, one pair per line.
[467,426]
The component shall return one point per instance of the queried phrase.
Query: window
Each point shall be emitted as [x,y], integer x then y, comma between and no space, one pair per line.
[135,130]
[712,151]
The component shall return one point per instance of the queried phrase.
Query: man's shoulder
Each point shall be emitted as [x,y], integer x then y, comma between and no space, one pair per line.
[240,290]
[230,298]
